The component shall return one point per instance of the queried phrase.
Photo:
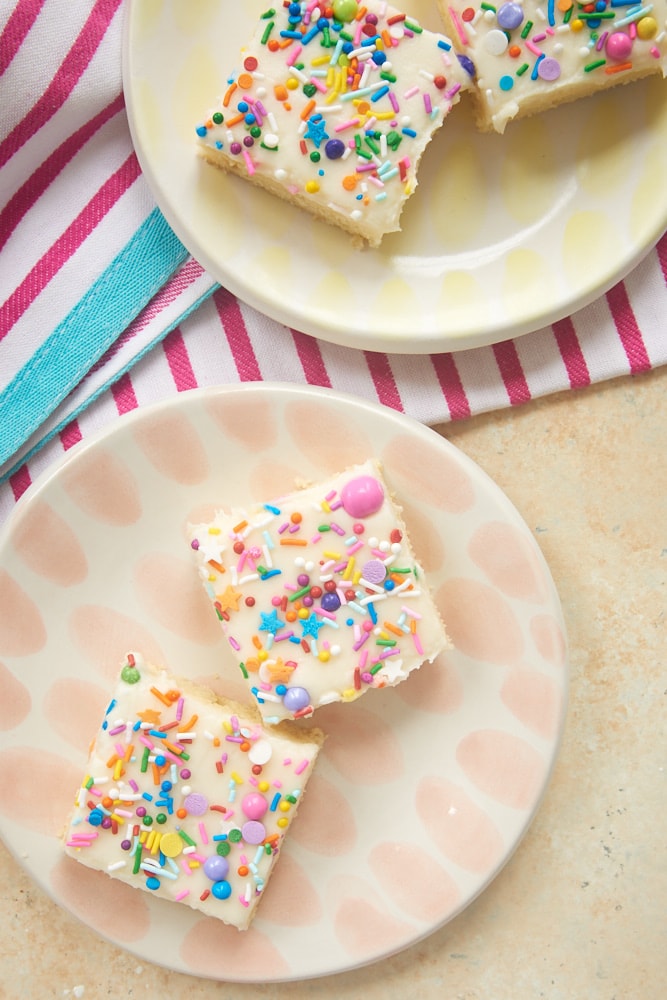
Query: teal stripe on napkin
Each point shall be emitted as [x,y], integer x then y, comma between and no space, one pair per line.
[74,414]
[96,321]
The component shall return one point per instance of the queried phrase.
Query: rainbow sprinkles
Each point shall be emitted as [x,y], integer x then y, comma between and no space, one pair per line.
[332,108]
[186,796]
[532,55]
[319,593]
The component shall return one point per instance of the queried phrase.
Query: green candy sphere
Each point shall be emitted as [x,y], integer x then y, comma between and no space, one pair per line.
[345,10]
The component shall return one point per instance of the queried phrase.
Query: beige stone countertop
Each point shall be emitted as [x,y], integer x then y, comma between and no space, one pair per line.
[580,911]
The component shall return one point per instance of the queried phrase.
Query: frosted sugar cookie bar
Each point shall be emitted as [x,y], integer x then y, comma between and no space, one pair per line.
[531,55]
[319,593]
[332,106]
[187,796]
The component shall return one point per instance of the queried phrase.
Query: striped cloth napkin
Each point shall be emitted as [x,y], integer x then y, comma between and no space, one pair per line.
[103,310]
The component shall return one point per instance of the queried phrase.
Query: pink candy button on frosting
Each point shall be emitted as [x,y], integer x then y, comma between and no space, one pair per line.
[362,496]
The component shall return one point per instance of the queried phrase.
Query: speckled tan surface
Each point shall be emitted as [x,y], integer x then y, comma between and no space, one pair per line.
[581,909]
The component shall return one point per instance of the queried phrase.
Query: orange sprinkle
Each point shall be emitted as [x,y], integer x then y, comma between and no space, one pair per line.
[242,524]
[257,642]
[308,110]
[161,697]
[361,13]
[242,870]
[156,773]
[293,541]
[273,45]
[174,749]
[564,5]
[228,96]
[245,81]
[187,727]
[112,760]
[296,518]
[244,747]
[349,182]
[618,68]
[181,813]
[280,90]
[216,565]
[393,629]
[514,51]
[413,626]
[128,752]
[386,38]
[107,802]
[216,741]
[235,120]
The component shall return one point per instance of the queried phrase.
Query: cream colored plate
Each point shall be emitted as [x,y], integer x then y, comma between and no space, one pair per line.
[422,792]
[504,235]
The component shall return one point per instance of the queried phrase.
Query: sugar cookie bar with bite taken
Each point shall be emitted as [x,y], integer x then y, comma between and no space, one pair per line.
[532,55]
[188,796]
[331,107]
[319,593]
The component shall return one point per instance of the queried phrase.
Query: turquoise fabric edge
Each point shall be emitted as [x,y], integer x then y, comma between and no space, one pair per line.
[107,385]
[129,282]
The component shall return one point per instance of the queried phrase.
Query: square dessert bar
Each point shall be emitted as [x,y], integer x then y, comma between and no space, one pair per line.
[187,796]
[331,108]
[533,55]
[319,593]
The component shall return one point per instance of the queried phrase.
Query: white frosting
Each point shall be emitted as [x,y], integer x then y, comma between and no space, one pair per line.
[320,603]
[379,104]
[534,54]
[207,762]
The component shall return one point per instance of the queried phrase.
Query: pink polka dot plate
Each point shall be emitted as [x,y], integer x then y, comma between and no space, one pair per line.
[421,793]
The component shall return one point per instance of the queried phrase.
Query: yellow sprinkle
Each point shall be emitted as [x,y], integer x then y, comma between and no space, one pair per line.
[285,806]
[214,531]
[347,572]
[171,845]
[237,778]
[118,770]
[157,843]
[332,555]
[319,61]
[349,694]
[282,822]
[263,786]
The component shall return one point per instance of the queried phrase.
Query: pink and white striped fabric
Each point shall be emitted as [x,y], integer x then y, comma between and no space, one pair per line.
[73,202]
